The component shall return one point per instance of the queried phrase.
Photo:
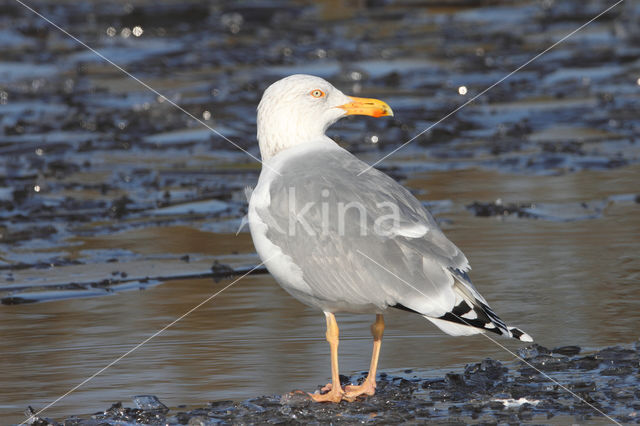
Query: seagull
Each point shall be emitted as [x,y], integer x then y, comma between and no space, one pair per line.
[341,236]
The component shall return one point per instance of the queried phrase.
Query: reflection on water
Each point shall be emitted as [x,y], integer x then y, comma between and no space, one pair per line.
[563,282]
[100,178]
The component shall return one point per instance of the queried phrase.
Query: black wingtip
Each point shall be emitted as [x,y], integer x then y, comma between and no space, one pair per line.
[516,333]
[404,308]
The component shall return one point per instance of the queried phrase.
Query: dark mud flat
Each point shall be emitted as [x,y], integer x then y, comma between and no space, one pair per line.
[114,204]
[92,163]
[488,391]
[119,281]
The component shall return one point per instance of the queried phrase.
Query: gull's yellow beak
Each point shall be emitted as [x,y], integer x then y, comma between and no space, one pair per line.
[365,106]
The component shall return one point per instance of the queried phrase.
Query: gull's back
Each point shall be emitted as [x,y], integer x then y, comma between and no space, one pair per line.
[322,215]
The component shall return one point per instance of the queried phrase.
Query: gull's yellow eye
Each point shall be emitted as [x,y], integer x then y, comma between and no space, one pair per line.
[317,93]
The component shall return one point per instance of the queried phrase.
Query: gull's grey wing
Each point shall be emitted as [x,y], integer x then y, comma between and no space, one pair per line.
[345,241]
[360,239]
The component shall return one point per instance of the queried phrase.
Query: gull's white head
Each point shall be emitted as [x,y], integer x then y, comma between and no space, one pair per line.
[300,108]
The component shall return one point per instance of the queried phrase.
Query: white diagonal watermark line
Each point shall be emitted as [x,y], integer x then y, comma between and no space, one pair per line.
[139,345]
[491,87]
[145,85]
[503,347]
[550,378]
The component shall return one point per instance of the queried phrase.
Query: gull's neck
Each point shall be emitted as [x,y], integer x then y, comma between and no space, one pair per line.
[280,128]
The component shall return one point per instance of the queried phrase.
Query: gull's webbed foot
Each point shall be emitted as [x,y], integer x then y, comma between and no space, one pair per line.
[367,388]
[328,394]
[331,396]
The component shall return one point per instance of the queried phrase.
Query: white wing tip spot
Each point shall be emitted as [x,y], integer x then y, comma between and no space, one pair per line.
[416,230]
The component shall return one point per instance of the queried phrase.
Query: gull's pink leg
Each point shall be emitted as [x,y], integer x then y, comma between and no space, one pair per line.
[368,387]
[335,394]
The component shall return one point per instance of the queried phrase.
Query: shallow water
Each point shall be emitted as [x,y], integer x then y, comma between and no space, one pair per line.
[563,282]
[114,205]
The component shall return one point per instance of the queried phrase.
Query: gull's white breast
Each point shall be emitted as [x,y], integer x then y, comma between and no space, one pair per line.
[281,266]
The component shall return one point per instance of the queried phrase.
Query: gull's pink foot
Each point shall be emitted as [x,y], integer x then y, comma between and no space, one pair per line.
[366,388]
[331,396]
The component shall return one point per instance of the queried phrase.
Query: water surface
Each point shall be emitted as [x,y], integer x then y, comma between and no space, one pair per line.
[114,205]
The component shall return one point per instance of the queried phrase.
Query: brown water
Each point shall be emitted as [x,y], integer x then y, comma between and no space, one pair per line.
[563,282]
[76,136]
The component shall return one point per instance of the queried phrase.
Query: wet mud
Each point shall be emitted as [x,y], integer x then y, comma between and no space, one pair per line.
[87,151]
[107,189]
[116,283]
[484,392]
